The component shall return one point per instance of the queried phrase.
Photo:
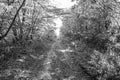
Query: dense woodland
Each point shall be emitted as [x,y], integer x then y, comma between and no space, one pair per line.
[87,48]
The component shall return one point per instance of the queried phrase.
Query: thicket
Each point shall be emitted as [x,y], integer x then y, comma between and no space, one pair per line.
[92,31]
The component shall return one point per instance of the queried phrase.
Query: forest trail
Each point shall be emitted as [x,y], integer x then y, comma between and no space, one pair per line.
[57,54]
[56,51]
[50,55]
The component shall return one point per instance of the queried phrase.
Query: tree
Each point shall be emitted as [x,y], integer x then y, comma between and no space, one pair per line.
[88,32]
[32,34]
[12,21]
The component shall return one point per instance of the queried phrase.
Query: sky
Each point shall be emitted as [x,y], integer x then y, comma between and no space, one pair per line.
[63,3]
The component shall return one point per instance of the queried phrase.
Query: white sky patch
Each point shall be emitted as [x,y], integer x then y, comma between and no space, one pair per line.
[58,25]
[63,3]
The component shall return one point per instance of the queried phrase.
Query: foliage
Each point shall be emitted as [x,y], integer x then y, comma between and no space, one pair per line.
[89,31]
[26,36]
[88,47]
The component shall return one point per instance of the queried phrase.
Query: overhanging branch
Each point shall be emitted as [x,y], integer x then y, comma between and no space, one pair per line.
[3,36]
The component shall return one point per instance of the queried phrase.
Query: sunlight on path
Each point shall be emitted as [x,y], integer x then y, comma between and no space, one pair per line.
[58,25]
[65,4]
